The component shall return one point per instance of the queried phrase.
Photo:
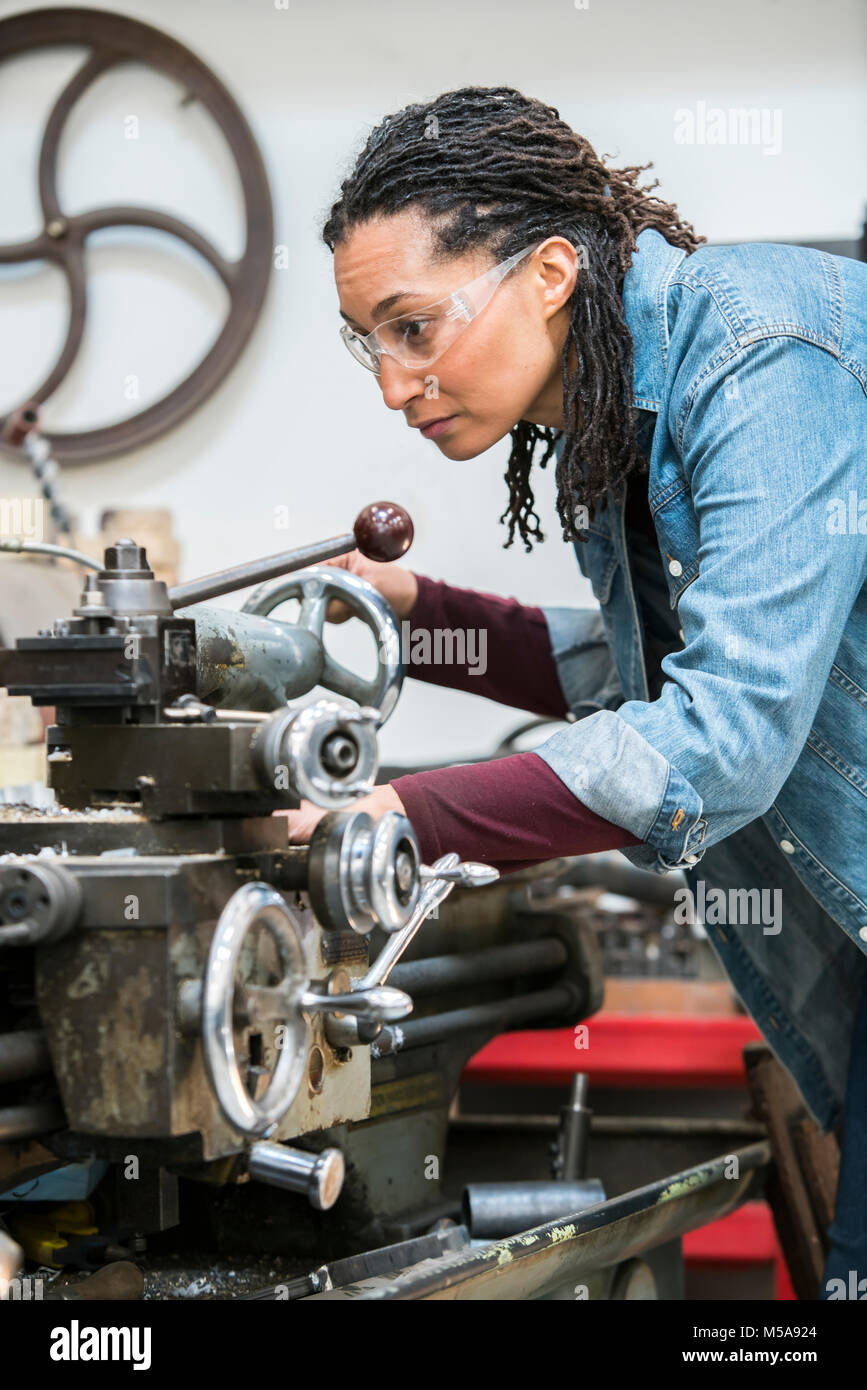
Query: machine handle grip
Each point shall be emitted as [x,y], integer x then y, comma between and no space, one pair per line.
[383,531]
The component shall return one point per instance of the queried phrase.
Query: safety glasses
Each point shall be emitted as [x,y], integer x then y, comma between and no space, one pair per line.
[419,338]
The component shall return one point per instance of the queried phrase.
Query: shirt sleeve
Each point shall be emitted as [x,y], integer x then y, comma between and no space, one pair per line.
[510,812]
[485,645]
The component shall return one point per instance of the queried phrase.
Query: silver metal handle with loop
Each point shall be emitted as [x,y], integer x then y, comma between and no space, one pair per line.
[255,904]
[315,587]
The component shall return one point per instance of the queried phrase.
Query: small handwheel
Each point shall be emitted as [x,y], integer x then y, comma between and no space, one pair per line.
[315,587]
[363,875]
[39,901]
[255,904]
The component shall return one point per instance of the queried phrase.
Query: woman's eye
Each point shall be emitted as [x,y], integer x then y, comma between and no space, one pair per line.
[414,329]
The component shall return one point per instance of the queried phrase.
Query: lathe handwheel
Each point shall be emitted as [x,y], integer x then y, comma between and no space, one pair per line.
[254,904]
[363,874]
[315,587]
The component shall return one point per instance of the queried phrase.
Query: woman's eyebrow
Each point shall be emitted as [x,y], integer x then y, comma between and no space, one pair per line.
[384,305]
[390,300]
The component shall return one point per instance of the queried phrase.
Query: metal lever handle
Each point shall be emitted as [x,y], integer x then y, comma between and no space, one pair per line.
[382,531]
[437,891]
[256,571]
[441,878]
[383,1002]
[466,875]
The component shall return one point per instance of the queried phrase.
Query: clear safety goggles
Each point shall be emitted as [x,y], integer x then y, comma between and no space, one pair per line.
[419,338]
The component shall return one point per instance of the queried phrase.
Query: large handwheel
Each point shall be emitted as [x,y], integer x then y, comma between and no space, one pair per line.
[255,904]
[113,39]
[315,587]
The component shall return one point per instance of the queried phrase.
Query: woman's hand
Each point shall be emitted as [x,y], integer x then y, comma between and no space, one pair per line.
[303,822]
[396,583]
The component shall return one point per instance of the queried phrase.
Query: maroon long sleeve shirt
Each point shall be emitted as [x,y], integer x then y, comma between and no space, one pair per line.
[510,812]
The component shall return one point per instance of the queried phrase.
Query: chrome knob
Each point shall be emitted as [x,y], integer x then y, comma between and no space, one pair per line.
[318,1177]
[465,875]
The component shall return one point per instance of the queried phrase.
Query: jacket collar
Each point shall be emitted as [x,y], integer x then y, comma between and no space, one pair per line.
[645,288]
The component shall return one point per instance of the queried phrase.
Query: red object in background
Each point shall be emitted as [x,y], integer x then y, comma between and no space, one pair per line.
[651,1051]
[623,1050]
[744,1237]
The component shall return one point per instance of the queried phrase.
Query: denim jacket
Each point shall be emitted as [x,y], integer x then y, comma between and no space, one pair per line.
[745,750]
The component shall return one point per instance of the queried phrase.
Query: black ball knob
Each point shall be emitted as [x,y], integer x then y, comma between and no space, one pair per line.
[383,531]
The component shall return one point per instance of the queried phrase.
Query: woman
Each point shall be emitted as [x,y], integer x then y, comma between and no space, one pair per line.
[706,408]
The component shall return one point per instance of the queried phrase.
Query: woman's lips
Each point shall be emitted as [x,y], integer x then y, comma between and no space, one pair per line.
[436,427]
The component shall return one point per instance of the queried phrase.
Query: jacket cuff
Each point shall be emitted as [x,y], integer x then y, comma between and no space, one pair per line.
[623,778]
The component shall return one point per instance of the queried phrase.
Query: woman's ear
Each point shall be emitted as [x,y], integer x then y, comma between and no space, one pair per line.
[557,264]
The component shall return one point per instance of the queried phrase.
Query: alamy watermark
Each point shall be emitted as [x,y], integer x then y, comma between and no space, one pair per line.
[846,515]
[854,1288]
[77,1343]
[22,518]
[444,646]
[737,906]
[21,1289]
[736,125]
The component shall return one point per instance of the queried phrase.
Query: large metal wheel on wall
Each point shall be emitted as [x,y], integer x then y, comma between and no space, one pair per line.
[113,39]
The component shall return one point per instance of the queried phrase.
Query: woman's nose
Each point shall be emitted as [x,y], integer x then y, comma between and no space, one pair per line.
[399,385]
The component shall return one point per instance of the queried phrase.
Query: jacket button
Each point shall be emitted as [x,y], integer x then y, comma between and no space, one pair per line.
[863,933]
[787,847]
[675,568]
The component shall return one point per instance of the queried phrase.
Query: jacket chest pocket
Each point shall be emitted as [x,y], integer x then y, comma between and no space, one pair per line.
[677,530]
[597,560]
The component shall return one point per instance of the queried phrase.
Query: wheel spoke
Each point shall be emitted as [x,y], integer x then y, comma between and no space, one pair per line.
[130,216]
[345,682]
[313,607]
[94,66]
[263,1003]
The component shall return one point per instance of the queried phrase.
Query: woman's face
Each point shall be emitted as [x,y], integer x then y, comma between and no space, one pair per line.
[503,368]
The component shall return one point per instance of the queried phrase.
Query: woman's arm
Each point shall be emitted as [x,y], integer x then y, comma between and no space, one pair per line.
[511,812]
[547,660]
[485,645]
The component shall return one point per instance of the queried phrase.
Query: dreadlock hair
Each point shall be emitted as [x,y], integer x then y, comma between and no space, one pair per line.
[496,169]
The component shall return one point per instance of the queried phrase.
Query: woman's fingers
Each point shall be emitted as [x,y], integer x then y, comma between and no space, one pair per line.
[337,611]
[300,824]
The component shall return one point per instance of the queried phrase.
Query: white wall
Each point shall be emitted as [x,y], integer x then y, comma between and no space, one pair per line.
[297,423]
